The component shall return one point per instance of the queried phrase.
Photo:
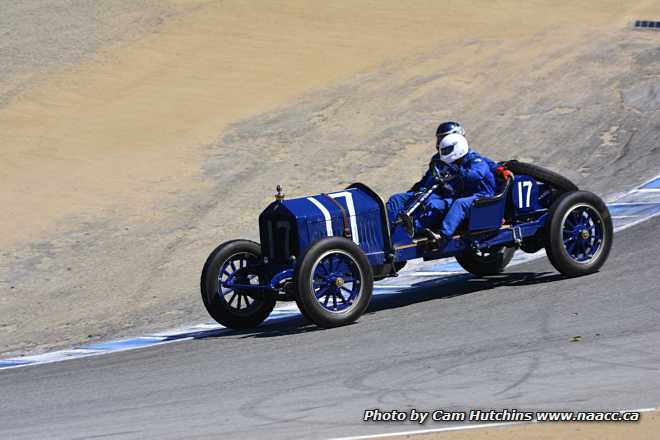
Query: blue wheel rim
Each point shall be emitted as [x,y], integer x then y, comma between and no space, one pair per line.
[238,301]
[337,281]
[583,233]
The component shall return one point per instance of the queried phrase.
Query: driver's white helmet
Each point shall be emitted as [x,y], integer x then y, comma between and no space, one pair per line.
[453,147]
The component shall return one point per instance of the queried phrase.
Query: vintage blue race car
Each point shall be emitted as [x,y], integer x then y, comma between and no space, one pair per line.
[325,251]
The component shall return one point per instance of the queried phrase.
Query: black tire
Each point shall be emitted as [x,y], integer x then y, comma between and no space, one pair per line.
[225,308]
[532,245]
[543,174]
[490,263]
[399,265]
[555,246]
[306,299]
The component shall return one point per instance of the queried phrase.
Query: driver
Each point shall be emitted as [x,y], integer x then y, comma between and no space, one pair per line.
[449,204]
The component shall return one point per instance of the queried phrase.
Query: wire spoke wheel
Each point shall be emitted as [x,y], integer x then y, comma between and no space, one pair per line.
[579,233]
[337,280]
[334,281]
[236,269]
[231,263]
[583,232]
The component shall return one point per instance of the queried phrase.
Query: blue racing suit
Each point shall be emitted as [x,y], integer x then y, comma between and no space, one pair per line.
[450,205]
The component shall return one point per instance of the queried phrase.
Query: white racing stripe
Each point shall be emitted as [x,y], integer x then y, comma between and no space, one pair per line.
[351,213]
[326,215]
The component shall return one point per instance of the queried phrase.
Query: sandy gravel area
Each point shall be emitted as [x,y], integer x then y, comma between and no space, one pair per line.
[163,130]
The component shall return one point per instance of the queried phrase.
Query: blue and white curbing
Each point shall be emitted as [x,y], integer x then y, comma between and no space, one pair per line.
[628,210]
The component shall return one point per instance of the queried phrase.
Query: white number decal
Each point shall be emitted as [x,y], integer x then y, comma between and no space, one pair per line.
[525,201]
[351,213]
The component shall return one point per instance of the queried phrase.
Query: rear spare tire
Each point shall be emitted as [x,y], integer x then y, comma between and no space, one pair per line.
[543,174]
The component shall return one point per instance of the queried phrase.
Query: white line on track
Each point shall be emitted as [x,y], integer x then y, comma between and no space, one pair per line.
[464,427]
[428,431]
[434,274]
[636,222]
[617,204]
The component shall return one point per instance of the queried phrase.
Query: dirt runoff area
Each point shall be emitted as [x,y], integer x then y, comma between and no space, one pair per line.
[646,429]
[132,147]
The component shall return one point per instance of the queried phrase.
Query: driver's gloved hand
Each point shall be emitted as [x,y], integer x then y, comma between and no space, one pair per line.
[407,222]
[453,168]
[447,190]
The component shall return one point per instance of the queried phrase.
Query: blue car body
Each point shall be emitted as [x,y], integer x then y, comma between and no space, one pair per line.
[324,251]
[288,227]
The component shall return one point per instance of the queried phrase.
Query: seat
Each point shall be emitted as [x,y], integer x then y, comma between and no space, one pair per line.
[487,213]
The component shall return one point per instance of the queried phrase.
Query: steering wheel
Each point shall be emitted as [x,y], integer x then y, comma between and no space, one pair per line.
[442,177]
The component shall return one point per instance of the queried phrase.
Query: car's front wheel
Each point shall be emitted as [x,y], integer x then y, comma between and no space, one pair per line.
[334,282]
[234,308]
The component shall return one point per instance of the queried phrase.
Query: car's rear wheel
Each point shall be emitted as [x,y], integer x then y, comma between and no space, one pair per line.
[489,262]
[334,282]
[579,233]
[233,308]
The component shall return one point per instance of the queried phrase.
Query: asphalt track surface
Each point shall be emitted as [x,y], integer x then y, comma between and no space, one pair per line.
[501,342]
